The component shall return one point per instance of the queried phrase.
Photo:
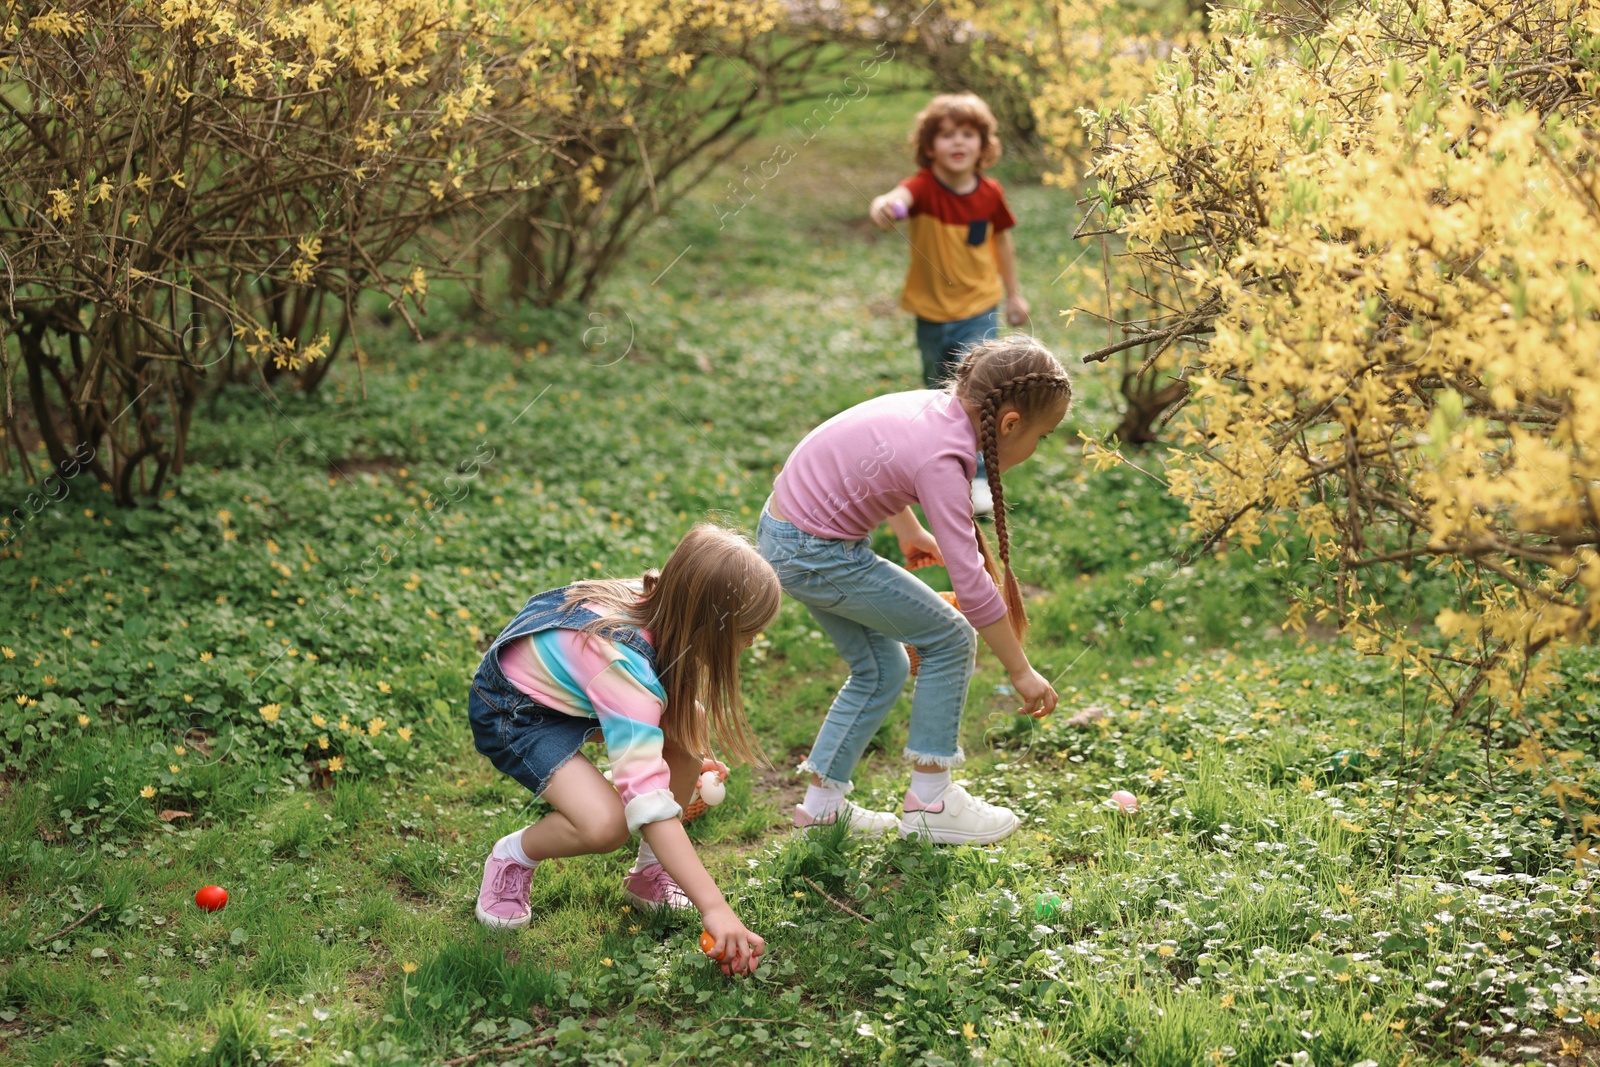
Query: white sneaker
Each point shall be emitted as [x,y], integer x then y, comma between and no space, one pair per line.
[982,498]
[957,818]
[860,820]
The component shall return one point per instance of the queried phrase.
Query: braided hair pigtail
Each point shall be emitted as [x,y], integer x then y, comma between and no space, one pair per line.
[989,443]
[1019,371]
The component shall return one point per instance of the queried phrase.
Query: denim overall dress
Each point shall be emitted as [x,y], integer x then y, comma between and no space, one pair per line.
[522,737]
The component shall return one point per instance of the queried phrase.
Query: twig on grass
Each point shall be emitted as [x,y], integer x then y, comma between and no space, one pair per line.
[547,1039]
[521,1046]
[835,902]
[65,930]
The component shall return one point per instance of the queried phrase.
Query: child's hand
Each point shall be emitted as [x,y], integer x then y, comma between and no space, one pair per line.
[737,950]
[1016,309]
[1038,695]
[882,212]
[920,542]
[710,764]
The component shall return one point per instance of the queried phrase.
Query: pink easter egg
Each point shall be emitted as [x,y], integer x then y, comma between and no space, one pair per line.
[1126,801]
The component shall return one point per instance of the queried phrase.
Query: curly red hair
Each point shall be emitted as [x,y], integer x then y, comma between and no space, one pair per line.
[962,109]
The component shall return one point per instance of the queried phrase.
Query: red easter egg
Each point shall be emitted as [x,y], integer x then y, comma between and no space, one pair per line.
[211,898]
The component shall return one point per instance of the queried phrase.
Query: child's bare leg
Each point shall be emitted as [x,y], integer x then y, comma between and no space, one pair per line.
[588,818]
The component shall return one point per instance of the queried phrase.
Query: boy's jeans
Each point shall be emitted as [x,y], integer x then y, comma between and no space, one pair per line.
[871,609]
[944,345]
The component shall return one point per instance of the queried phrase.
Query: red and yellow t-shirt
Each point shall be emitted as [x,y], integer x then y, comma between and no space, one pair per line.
[954,273]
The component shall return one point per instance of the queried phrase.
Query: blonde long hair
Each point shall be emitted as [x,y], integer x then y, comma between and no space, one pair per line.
[1019,372]
[713,594]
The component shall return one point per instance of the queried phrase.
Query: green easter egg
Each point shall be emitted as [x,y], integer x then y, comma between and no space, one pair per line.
[1046,905]
[1346,763]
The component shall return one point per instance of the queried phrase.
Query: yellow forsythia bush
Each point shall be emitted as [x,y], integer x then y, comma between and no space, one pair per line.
[1384,228]
[193,187]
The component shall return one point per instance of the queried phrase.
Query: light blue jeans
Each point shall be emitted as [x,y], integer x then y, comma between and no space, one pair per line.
[872,609]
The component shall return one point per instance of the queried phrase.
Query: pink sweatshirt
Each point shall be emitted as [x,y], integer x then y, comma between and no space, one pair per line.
[871,461]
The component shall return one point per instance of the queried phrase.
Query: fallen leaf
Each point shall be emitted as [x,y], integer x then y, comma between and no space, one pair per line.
[168,814]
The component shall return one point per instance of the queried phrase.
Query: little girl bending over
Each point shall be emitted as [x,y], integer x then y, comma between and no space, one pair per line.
[651,667]
[866,466]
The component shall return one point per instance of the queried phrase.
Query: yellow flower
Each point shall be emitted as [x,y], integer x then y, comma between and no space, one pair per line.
[66,631]
[409,967]
[187,699]
[606,962]
[5,650]
[173,767]
[1227,1000]
[375,727]
[344,724]
[83,720]
[270,712]
[178,750]
[1307,784]
[205,657]
[318,720]
[1505,935]
[405,733]
[1165,950]
[969,1031]
[322,742]
[148,791]
[336,763]
[383,687]
[1158,774]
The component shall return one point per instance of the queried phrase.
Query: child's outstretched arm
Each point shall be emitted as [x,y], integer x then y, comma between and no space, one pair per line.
[883,214]
[738,949]
[1038,695]
[1006,254]
[642,767]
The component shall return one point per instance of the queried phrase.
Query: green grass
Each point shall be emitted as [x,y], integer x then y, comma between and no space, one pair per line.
[1265,903]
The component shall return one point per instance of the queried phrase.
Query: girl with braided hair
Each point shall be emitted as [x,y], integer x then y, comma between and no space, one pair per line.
[866,466]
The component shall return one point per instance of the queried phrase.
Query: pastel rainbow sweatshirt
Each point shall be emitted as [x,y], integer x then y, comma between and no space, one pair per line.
[582,674]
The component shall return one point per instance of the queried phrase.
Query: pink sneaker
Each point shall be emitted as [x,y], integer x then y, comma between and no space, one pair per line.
[652,889]
[503,894]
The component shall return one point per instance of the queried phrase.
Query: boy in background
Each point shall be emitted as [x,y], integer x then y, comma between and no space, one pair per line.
[961,249]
